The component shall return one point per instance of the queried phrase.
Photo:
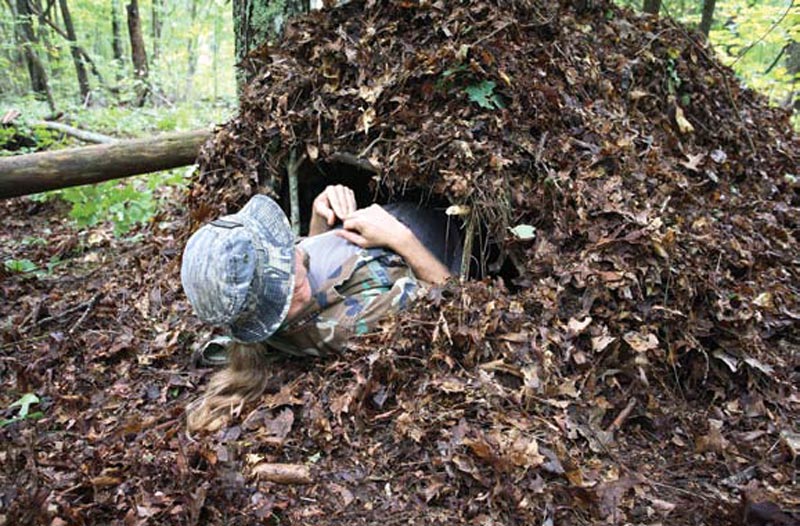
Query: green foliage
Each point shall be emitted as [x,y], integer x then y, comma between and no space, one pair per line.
[484,96]
[209,56]
[750,41]
[24,404]
[126,205]
[27,139]
[750,37]
[26,266]
[21,266]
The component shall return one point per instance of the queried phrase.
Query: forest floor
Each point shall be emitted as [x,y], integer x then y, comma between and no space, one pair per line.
[639,365]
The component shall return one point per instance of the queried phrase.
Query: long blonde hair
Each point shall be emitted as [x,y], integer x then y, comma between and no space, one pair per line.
[242,381]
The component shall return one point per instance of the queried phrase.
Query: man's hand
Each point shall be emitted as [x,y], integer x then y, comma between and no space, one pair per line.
[375,227]
[336,201]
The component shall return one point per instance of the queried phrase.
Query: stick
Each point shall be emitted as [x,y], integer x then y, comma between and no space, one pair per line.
[283,473]
[294,199]
[89,307]
[466,256]
[97,138]
[623,415]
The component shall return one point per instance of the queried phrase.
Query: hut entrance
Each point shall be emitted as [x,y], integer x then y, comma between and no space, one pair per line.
[305,180]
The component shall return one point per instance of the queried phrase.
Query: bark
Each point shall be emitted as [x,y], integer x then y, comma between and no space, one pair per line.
[27,38]
[39,172]
[116,42]
[256,22]
[191,51]
[793,68]
[708,16]
[215,51]
[157,10]
[284,473]
[652,6]
[138,52]
[42,33]
[80,67]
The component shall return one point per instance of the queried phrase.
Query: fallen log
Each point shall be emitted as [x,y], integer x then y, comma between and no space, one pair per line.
[39,172]
[83,135]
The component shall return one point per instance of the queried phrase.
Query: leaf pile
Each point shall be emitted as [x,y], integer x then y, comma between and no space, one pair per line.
[663,276]
[639,365]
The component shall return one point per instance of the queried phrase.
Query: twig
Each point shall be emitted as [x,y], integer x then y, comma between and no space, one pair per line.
[85,314]
[466,256]
[64,314]
[777,59]
[490,35]
[366,150]
[762,37]
[291,170]
[623,415]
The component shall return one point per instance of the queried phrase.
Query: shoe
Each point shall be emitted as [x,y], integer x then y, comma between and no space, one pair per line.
[213,353]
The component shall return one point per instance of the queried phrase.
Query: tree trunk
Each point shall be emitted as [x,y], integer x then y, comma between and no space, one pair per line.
[708,16]
[138,53]
[215,51]
[44,17]
[793,68]
[36,71]
[39,172]
[191,52]
[80,67]
[116,42]
[10,33]
[256,22]
[43,34]
[652,6]
[157,10]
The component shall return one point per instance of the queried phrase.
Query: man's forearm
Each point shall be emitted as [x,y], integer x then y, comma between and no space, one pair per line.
[425,265]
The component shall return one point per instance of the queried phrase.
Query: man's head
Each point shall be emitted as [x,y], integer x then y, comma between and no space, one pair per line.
[239,270]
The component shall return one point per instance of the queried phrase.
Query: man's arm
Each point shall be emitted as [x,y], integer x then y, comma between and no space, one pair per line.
[375,227]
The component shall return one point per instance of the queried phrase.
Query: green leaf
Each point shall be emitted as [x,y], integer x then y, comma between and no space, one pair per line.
[20,265]
[484,96]
[524,232]
[24,405]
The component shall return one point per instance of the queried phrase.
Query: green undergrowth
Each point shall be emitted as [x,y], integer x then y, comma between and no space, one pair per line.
[123,203]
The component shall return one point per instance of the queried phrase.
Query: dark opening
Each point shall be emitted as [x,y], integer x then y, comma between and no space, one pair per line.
[488,257]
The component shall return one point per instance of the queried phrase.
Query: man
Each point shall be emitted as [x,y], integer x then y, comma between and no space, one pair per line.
[247,272]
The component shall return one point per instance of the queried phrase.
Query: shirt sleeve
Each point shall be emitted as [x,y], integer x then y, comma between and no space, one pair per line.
[379,284]
[389,286]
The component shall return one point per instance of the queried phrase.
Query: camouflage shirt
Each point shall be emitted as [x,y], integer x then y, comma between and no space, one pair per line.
[356,294]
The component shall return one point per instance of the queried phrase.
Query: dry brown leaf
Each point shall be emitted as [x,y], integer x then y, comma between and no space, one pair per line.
[641,341]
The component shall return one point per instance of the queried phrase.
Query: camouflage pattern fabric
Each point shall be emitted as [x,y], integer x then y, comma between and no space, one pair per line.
[363,290]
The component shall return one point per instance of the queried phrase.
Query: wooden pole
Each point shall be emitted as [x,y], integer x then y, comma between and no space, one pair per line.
[38,172]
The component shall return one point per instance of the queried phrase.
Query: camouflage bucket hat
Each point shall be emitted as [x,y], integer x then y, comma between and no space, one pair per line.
[238,271]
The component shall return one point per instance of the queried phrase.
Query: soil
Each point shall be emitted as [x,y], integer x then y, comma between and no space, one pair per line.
[630,355]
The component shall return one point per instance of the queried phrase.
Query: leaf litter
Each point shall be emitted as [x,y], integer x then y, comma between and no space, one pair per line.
[640,365]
